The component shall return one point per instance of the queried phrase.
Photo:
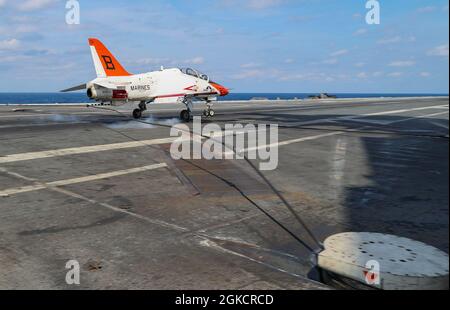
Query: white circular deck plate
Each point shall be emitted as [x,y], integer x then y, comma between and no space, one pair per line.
[403,263]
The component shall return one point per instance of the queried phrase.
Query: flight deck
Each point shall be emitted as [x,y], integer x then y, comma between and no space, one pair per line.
[96,186]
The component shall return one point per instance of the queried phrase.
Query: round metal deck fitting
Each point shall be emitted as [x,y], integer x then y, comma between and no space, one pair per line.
[385,261]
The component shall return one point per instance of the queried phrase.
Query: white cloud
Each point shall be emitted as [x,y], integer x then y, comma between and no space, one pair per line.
[362,75]
[2,3]
[248,74]
[195,61]
[331,61]
[425,74]
[263,4]
[426,9]
[402,63]
[339,53]
[31,5]
[360,64]
[250,65]
[253,4]
[390,40]
[153,61]
[441,50]
[9,44]
[377,74]
[360,31]
[309,77]
[395,74]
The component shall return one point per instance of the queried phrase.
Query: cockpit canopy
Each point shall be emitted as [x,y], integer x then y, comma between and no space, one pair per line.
[195,73]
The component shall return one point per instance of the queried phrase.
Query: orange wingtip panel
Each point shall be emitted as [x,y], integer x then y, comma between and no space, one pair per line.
[110,64]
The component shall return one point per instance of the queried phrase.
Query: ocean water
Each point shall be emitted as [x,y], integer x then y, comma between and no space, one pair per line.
[61,98]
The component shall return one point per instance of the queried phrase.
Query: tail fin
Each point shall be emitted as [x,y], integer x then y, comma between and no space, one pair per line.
[105,62]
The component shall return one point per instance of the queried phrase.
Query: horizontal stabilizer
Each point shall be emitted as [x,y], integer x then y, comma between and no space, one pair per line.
[106,84]
[79,87]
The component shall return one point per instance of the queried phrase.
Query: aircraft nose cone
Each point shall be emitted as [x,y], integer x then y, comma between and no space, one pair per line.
[222,90]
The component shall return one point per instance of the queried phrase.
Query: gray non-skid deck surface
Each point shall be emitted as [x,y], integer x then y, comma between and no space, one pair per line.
[383,168]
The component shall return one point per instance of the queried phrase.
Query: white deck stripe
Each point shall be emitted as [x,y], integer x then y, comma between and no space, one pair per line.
[31,188]
[82,150]
[417,117]
[134,144]
[93,149]
[288,142]
[403,111]
[440,125]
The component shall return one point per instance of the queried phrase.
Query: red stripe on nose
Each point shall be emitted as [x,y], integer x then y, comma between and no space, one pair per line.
[222,90]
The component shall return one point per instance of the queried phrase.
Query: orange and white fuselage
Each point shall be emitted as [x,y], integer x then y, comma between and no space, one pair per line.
[115,85]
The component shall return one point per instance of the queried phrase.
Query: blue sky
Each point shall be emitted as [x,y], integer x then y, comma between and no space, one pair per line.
[247,45]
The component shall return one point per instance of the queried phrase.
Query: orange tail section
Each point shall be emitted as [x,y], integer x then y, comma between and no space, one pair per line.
[105,62]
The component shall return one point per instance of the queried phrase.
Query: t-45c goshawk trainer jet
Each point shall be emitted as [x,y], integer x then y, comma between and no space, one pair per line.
[116,86]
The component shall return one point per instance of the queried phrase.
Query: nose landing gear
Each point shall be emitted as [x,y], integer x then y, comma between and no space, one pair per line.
[209,112]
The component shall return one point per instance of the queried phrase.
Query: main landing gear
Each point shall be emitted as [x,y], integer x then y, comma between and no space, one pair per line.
[186,115]
[137,113]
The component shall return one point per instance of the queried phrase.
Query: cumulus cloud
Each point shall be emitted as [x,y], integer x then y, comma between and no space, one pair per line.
[360,32]
[426,9]
[331,61]
[250,65]
[395,74]
[263,4]
[195,61]
[362,75]
[248,74]
[167,61]
[253,4]
[441,50]
[377,74]
[339,53]
[31,5]
[402,63]
[315,76]
[391,40]
[9,44]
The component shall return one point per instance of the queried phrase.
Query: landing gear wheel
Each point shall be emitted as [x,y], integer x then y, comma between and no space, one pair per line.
[137,113]
[209,113]
[185,116]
